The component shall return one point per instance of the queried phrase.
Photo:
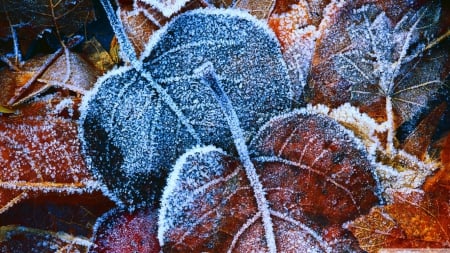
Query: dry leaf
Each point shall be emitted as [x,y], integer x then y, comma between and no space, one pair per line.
[377,60]
[258,8]
[27,19]
[414,220]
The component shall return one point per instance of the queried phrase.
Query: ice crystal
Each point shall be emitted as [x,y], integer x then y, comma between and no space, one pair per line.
[137,121]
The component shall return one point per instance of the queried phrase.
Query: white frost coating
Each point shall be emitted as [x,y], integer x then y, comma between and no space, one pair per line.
[232,13]
[305,228]
[172,184]
[167,7]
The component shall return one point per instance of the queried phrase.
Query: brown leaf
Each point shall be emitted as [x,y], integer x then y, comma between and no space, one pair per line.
[418,141]
[348,63]
[258,8]
[141,19]
[40,152]
[63,69]
[314,177]
[414,220]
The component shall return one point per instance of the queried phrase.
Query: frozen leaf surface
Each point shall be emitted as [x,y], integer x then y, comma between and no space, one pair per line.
[135,123]
[120,231]
[314,175]
[167,7]
[379,61]
[39,153]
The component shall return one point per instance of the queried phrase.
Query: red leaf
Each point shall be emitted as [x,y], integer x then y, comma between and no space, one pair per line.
[121,232]
[314,177]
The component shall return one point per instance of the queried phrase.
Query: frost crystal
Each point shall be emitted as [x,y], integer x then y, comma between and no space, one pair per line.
[136,122]
[385,60]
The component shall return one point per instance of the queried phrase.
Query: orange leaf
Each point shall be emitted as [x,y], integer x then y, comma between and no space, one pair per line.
[40,152]
[414,220]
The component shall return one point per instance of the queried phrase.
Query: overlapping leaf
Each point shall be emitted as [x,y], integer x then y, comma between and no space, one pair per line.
[120,231]
[39,153]
[377,58]
[414,220]
[134,128]
[315,176]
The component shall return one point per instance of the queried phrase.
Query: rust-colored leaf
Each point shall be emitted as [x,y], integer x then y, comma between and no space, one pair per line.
[414,220]
[296,28]
[40,152]
[120,231]
[314,176]
[376,57]
[62,69]
[142,18]
[418,141]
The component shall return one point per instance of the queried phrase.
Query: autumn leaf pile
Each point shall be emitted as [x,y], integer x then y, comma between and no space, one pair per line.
[224,126]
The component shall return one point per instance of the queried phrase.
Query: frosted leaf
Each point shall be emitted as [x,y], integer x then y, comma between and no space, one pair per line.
[39,152]
[315,176]
[133,128]
[167,7]
[246,58]
[120,231]
[387,60]
[258,8]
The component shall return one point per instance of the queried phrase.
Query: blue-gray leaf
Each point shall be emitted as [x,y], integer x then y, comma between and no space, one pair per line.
[135,123]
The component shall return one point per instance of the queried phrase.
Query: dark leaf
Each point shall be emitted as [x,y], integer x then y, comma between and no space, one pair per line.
[134,128]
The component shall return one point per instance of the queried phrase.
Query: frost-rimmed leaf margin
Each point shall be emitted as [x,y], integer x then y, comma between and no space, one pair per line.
[186,184]
[167,9]
[185,137]
[172,184]
[324,111]
[83,109]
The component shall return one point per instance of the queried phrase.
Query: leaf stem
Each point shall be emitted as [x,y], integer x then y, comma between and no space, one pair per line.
[119,31]
[210,78]
[128,49]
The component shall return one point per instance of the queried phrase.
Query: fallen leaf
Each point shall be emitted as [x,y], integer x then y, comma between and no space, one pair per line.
[120,231]
[419,140]
[258,8]
[313,174]
[167,7]
[379,61]
[63,69]
[40,153]
[414,220]
[24,239]
[141,20]
[136,122]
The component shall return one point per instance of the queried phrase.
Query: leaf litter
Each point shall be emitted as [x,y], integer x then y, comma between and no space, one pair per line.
[249,156]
